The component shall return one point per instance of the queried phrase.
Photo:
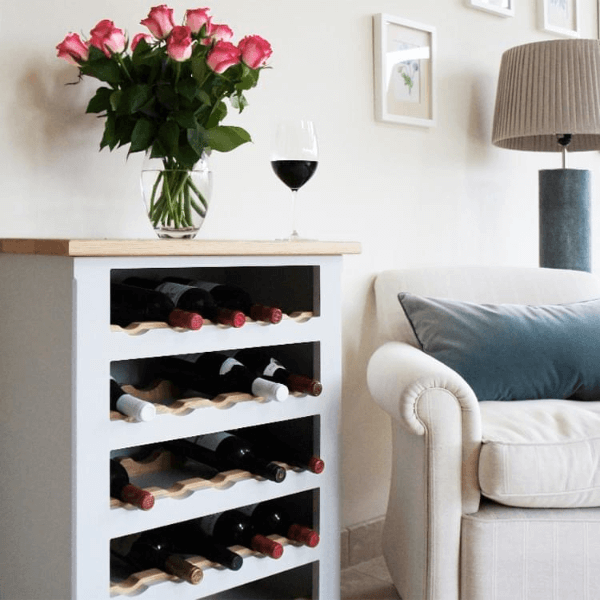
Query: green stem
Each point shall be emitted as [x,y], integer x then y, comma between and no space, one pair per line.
[175,197]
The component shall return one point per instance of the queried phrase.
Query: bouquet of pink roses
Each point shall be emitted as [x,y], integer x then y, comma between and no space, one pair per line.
[165,90]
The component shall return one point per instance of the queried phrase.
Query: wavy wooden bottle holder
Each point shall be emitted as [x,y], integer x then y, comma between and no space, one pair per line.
[167,398]
[138,582]
[143,327]
[164,461]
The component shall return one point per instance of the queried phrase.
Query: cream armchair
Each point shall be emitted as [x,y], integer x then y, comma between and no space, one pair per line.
[444,538]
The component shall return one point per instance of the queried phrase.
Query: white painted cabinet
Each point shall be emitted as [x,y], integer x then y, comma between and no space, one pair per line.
[56,436]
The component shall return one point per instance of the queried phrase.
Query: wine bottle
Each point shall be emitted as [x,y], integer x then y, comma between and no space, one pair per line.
[189,538]
[233,528]
[206,463]
[272,517]
[153,551]
[129,405]
[272,445]
[234,297]
[214,373]
[131,304]
[192,299]
[226,451]
[265,365]
[122,489]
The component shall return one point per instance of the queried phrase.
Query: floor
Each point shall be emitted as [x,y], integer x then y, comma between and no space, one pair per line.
[368,581]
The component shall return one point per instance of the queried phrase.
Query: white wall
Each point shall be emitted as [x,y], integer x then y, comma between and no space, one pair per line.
[411,196]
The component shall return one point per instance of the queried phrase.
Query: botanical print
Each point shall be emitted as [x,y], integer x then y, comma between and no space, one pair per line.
[559,12]
[406,71]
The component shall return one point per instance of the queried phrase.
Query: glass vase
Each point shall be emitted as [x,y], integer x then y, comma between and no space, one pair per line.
[176,199]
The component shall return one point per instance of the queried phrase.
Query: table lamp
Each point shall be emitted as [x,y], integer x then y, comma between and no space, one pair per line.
[548,100]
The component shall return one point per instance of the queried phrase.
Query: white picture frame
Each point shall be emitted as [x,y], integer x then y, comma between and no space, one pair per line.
[502,8]
[559,16]
[404,63]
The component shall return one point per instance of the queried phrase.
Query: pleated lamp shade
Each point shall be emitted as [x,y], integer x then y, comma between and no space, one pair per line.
[547,89]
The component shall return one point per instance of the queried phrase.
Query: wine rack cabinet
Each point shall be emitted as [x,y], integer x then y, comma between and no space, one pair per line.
[57,434]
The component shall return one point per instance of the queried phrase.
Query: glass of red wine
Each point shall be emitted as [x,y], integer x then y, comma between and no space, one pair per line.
[294,158]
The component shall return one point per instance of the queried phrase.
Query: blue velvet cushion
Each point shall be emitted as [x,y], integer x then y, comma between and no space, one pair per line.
[513,351]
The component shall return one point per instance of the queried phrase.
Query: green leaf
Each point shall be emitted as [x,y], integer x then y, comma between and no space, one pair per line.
[141,50]
[185,119]
[239,102]
[142,136]
[197,139]
[149,107]
[167,96]
[96,54]
[135,97]
[109,138]
[225,138]
[217,114]
[248,79]
[124,127]
[115,99]
[186,156]
[204,97]
[103,69]
[100,102]
[168,134]
[199,68]
[157,150]
[188,88]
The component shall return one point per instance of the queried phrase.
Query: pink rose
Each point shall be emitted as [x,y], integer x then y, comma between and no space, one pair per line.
[179,43]
[197,17]
[216,33]
[255,51]
[138,38]
[220,33]
[159,21]
[108,38]
[73,50]
[222,56]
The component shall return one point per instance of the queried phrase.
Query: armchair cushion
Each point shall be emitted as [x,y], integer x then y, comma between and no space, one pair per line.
[513,351]
[541,454]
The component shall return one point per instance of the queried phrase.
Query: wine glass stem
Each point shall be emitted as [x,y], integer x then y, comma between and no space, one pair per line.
[294,235]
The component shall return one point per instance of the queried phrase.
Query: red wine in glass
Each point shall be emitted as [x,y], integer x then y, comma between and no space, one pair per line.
[294,173]
[294,158]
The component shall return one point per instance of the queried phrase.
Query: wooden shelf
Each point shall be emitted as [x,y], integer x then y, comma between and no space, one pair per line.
[142,327]
[154,247]
[138,582]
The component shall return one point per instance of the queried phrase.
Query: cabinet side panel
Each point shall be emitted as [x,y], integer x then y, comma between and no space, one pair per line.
[36,427]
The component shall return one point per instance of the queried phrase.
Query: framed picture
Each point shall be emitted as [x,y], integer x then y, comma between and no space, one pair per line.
[559,16]
[503,8]
[404,57]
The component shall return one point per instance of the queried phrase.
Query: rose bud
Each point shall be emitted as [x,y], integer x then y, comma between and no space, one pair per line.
[196,18]
[255,51]
[222,56]
[159,21]
[73,50]
[220,33]
[137,38]
[179,43]
[108,38]
[216,33]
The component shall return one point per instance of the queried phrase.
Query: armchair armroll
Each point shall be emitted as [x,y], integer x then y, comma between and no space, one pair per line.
[436,435]
[399,374]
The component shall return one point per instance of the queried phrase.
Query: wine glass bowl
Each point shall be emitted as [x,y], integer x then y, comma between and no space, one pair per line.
[294,158]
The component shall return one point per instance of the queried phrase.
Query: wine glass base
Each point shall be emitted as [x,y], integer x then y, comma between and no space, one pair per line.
[295,237]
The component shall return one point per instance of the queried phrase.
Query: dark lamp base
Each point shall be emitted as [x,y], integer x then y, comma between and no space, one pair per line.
[565,219]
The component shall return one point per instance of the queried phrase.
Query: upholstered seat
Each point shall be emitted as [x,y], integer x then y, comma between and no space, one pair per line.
[489,499]
[540,453]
